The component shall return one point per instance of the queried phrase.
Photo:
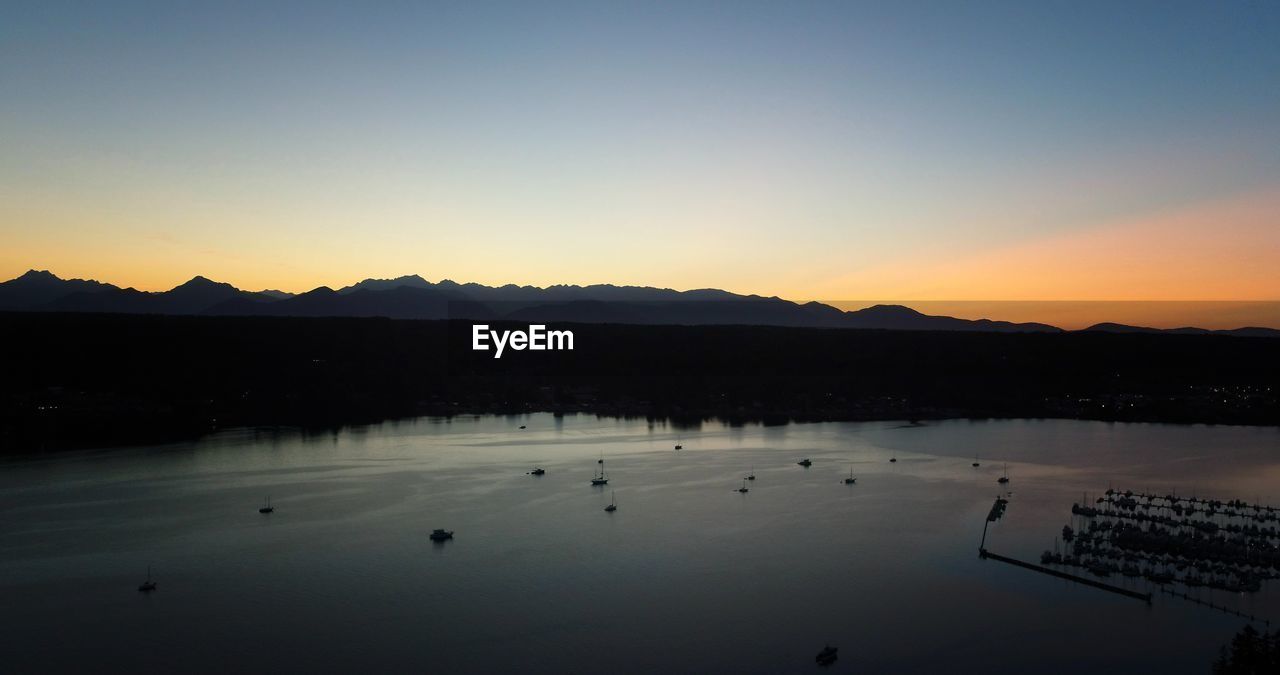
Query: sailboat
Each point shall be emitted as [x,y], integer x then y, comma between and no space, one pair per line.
[975,462]
[679,445]
[850,480]
[752,475]
[600,478]
[148,585]
[1005,478]
[743,489]
[613,505]
[268,508]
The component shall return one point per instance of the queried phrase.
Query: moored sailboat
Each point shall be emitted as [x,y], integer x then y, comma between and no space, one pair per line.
[148,585]
[600,478]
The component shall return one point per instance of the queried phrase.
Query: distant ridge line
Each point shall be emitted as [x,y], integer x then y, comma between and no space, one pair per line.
[413,297]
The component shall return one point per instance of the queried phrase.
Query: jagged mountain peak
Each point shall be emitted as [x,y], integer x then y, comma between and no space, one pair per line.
[38,275]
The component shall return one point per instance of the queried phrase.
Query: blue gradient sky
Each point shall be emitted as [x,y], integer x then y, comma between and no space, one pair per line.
[1057,150]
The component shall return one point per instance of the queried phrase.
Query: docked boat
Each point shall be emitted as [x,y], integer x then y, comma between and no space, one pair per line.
[1005,478]
[268,508]
[743,489]
[850,480]
[752,475]
[997,509]
[441,535]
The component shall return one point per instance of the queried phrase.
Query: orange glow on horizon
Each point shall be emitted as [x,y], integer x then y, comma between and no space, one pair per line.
[1222,250]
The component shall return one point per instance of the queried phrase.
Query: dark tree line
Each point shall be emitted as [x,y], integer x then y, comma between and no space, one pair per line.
[77,380]
[1250,653]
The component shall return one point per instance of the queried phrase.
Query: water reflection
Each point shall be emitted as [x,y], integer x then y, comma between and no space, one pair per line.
[688,577]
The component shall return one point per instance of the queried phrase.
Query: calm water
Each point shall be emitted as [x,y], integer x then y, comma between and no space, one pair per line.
[687,576]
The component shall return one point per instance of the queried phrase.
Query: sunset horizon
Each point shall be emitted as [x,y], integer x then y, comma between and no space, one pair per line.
[806,153]
[1068,314]
[642,337]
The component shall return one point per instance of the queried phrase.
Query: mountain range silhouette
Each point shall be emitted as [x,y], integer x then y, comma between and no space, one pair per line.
[412,297]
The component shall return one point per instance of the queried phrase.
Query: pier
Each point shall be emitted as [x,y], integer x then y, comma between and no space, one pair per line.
[985,554]
[1211,605]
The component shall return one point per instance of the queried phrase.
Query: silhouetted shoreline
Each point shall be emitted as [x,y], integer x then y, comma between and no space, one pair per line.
[96,380]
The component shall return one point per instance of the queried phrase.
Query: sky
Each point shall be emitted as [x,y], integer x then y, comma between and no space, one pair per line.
[913,151]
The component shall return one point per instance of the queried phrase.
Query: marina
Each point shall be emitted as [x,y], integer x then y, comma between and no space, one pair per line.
[1225,545]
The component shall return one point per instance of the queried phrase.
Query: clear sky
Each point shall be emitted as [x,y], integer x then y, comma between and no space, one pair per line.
[812,150]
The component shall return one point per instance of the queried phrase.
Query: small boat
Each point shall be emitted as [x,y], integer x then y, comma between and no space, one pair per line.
[537,471]
[827,656]
[600,478]
[441,535]
[1005,478]
[148,585]
[752,475]
[975,463]
[679,447]
[743,489]
[268,508]
[613,505]
[892,460]
[522,426]
[850,480]
[806,462]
